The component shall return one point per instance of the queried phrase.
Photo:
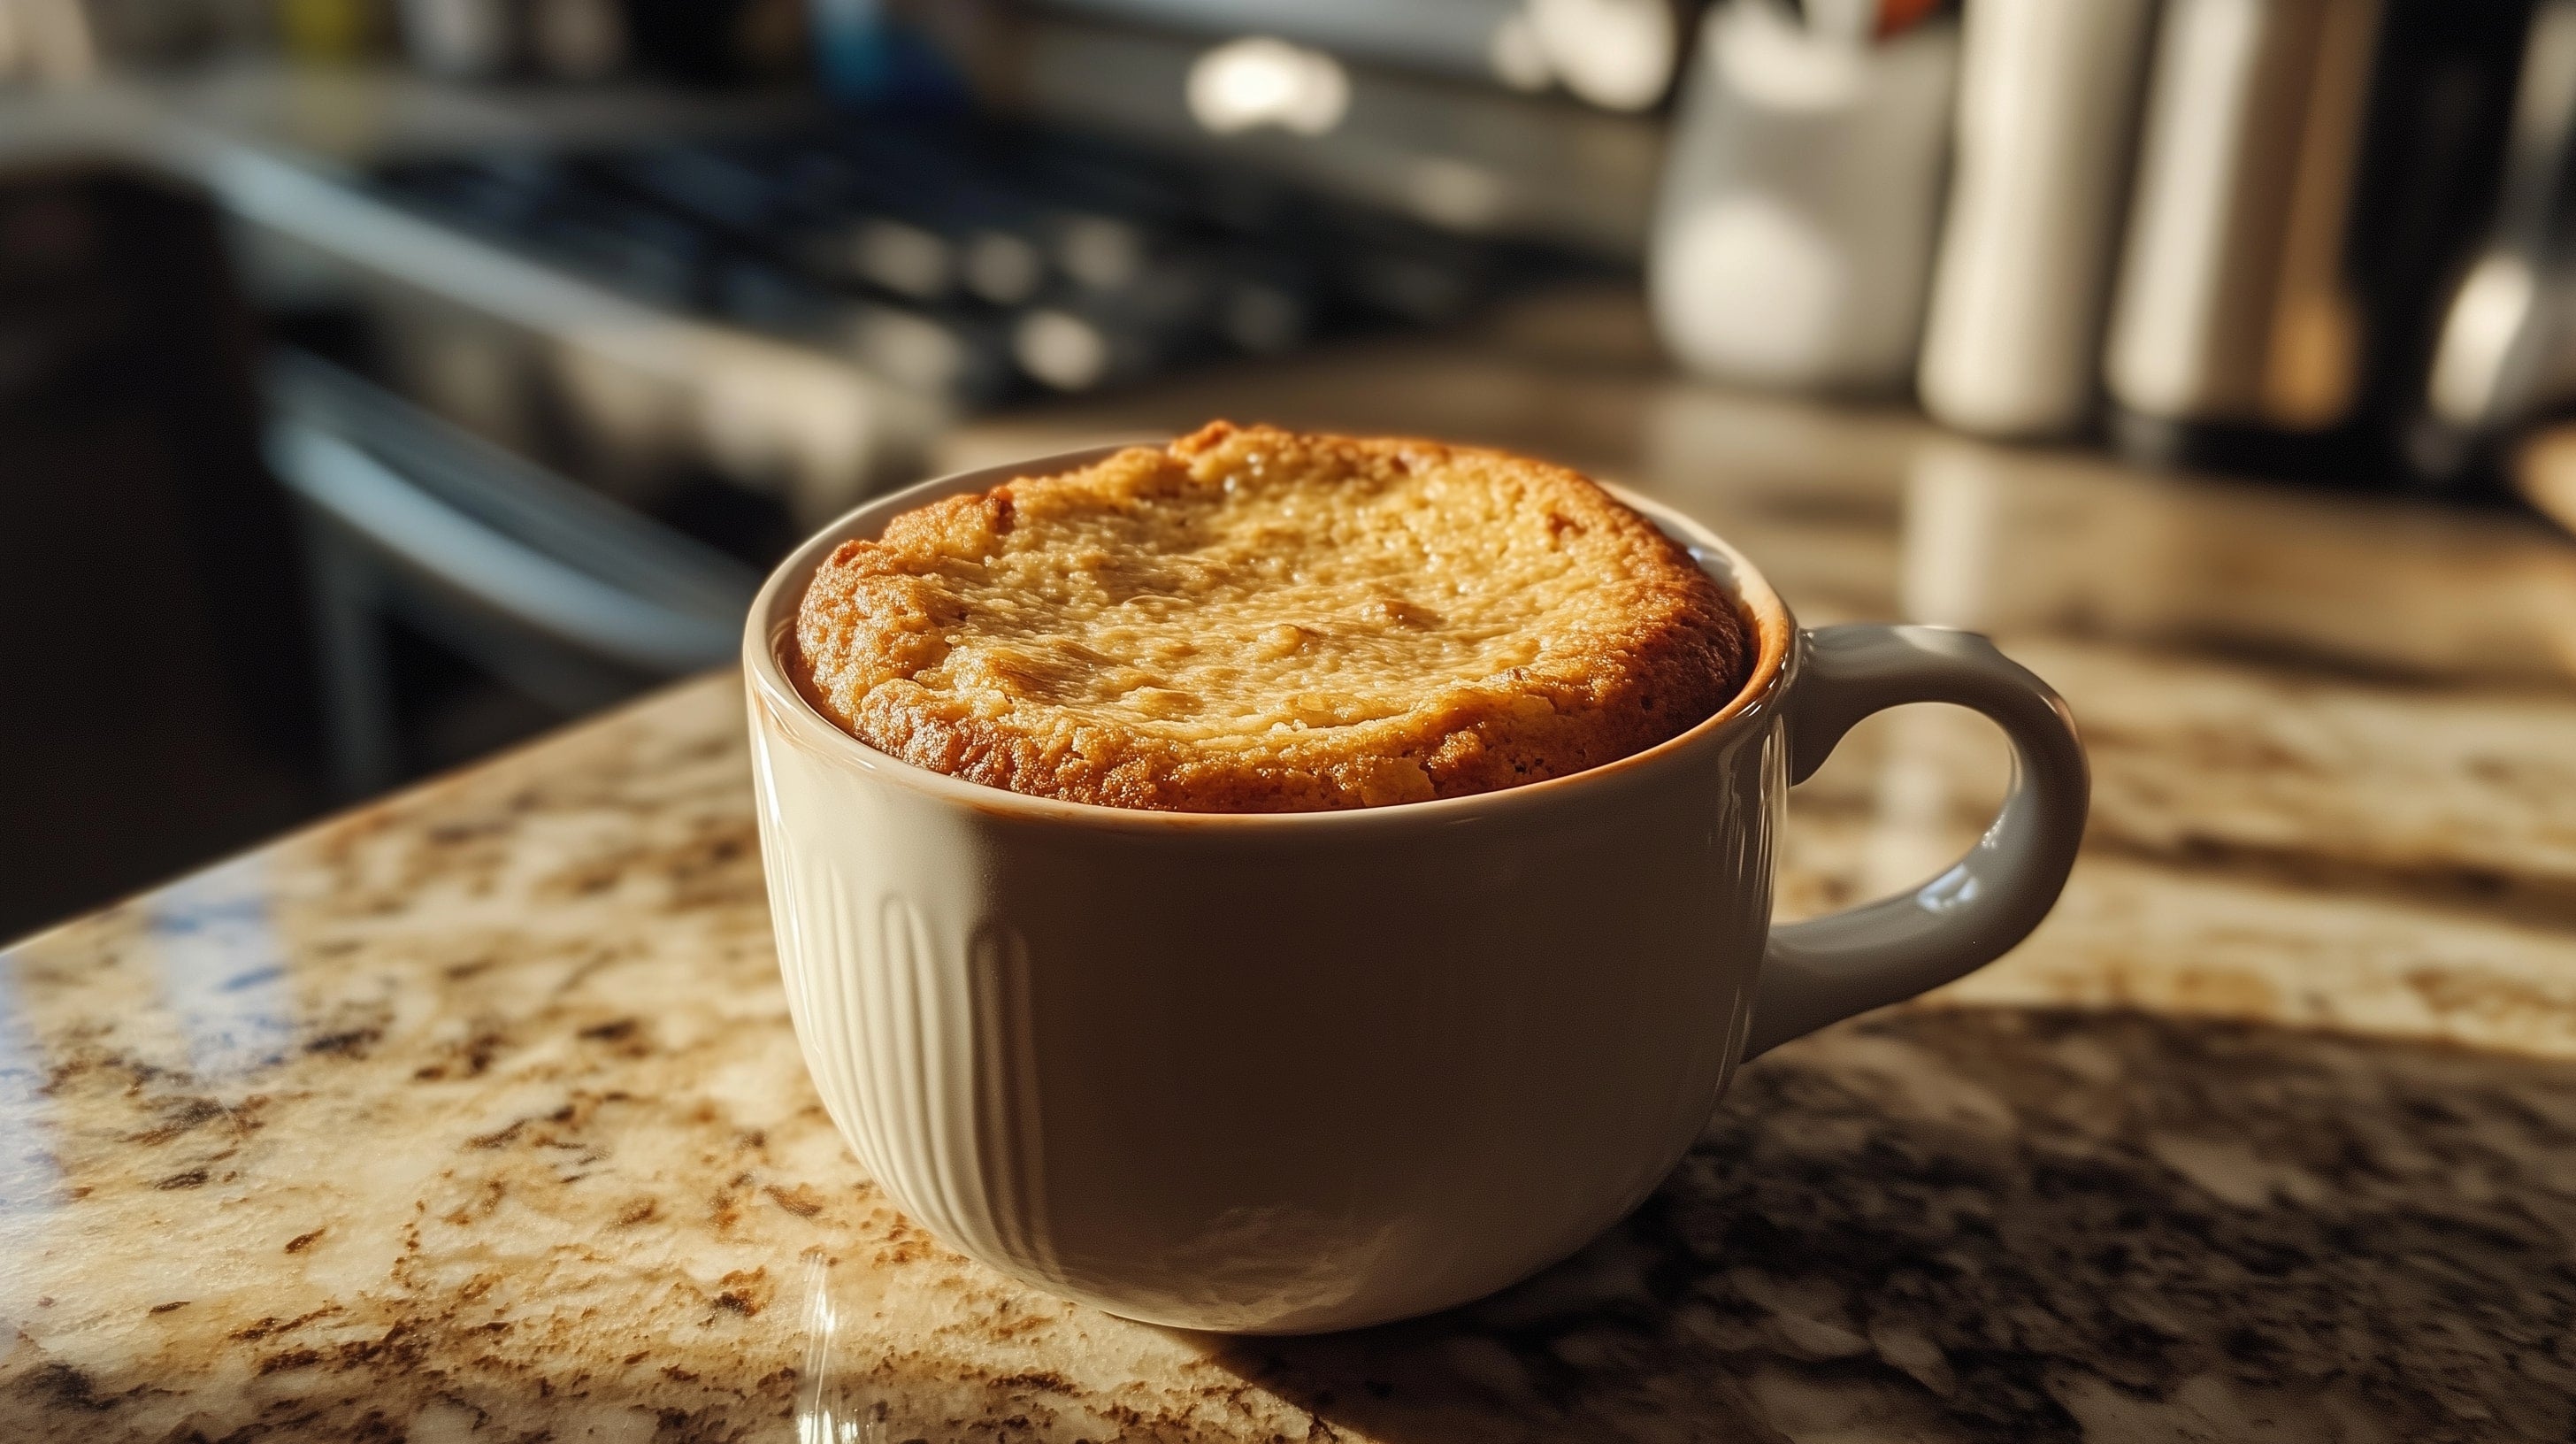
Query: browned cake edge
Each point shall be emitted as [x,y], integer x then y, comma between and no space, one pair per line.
[867,611]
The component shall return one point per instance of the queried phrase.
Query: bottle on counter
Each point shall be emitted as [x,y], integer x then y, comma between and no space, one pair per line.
[484,39]
[460,39]
[2047,122]
[330,32]
[889,55]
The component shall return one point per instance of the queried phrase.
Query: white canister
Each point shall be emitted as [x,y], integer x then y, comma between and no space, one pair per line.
[1795,231]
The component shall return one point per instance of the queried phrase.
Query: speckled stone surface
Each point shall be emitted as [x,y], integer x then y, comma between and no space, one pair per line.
[476,1116]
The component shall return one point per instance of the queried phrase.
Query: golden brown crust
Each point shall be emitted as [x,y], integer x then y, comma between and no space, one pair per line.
[1253,620]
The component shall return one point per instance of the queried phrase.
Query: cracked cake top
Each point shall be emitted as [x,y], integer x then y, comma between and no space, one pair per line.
[1256,620]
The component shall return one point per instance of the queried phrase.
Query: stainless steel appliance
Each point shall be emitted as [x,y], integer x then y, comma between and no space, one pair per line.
[570,599]
[2313,174]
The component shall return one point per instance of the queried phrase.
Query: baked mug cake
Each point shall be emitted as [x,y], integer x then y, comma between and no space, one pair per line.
[1277,883]
[1255,620]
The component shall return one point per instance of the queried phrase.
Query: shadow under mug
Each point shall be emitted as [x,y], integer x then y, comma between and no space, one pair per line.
[1285,1073]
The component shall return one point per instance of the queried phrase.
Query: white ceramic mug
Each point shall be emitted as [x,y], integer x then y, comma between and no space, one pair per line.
[1293,1072]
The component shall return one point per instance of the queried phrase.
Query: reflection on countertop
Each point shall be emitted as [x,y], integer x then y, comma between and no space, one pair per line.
[477,1114]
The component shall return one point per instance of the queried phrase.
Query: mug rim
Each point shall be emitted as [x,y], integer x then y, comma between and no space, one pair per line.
[773,614]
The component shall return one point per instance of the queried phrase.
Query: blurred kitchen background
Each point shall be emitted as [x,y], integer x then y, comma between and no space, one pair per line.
[386,381]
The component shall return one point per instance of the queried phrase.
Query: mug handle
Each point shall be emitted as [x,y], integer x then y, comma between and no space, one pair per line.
[1829,968]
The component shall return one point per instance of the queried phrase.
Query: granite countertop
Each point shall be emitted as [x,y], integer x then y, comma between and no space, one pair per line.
[476,1115]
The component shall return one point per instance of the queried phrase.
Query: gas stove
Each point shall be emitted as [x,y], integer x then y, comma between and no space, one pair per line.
[976,264]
